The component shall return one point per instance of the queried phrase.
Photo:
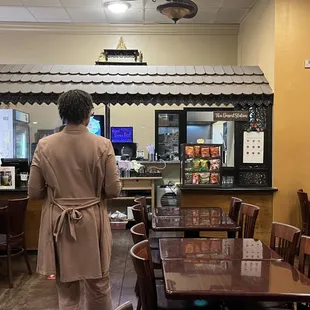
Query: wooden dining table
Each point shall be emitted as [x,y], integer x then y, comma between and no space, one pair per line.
[215,249]
[264,280]
[229,269]
[193,220]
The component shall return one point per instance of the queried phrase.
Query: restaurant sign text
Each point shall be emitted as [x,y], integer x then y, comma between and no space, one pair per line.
[239,116]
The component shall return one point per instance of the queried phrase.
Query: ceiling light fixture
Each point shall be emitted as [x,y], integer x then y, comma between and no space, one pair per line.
[177,9]
[117,6]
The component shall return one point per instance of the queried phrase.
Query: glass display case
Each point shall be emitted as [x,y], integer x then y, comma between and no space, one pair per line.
[201,164]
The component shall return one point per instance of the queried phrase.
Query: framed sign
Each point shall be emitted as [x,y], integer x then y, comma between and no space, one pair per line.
[7,178]
[236,116]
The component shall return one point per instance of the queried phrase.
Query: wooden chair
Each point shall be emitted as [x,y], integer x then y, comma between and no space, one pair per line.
[284,240]
[12,234]
[152,293]
[304,254]
[139,216]
[305,212]
[125,306]
[247,220]
[138,233]
[234,209]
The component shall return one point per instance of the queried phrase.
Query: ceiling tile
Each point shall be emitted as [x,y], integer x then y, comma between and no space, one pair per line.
[86,14]
[202,4]
[41,2]
[10,2]
[49,13]
[14,13]
[82,3]
[203,17]
[131,16]
[47,20]
[239,3]
[231,16]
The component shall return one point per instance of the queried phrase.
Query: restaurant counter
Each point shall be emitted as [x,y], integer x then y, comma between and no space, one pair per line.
[33,215]
[202,196]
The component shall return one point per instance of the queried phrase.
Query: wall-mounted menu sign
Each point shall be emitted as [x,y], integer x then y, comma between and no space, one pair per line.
[239,116]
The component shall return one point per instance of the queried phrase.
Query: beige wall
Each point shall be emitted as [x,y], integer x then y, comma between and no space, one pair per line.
[256,38]
[291,108]
[160,44]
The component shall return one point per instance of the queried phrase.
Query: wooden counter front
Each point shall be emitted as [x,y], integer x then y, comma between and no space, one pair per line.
[33,216]
[220,197]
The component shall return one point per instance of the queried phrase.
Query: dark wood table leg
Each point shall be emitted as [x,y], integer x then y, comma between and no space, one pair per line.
[192,234]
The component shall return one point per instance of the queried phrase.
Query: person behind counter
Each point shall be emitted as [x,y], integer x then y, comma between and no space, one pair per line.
[75,236]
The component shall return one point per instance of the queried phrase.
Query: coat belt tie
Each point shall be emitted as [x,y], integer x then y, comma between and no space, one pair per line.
[73,215]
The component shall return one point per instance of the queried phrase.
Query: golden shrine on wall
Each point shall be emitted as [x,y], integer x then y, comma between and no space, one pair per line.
[121,56]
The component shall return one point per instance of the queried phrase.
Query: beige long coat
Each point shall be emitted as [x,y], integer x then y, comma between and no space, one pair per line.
[74,171]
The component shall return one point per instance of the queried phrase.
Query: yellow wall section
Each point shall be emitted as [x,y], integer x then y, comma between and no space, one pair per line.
[256,38]
[160,44]
[291,108]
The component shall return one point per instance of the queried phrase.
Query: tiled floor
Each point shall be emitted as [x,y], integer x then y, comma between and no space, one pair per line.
[37,293]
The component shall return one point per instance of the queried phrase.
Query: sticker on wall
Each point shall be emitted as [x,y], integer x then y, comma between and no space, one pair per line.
[253,147]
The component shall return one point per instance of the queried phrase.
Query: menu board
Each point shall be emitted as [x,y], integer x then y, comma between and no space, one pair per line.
[253,147]
[122,134]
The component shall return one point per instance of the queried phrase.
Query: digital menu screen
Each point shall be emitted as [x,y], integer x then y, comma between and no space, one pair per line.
[122,134]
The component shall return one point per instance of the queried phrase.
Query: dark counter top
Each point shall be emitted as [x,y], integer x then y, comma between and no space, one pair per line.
[185,188]
[16,190]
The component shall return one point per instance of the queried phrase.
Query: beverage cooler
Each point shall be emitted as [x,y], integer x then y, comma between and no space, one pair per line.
[14,134]
[201,164]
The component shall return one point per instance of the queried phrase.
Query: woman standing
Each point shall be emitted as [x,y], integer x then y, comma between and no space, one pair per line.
[74,171]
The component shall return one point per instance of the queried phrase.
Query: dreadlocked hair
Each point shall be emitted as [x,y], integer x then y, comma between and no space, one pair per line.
[74,106]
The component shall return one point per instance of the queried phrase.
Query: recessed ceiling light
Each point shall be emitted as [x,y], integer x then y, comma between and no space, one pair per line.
[117,6]
[34,123]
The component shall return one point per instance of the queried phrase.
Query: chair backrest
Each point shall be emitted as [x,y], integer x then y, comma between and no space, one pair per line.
[14,222]
[305,211]
[138,233]
[247,220]
[142,261]
[125,306]
[142,202]
[284,240]
[304,254]
[138,214]
[234,208]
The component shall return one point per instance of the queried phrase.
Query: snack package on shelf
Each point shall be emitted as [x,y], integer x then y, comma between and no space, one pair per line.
[196,165]
[214,178]
[197,151]
[204,165]
[205,152]
[214,151]
[196,178]
[189,151]
[188,178]
[215,164]
[205,178]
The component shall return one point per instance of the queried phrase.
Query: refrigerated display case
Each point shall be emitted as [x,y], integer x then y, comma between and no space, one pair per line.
[170,133]
[14,134]
[201,165]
